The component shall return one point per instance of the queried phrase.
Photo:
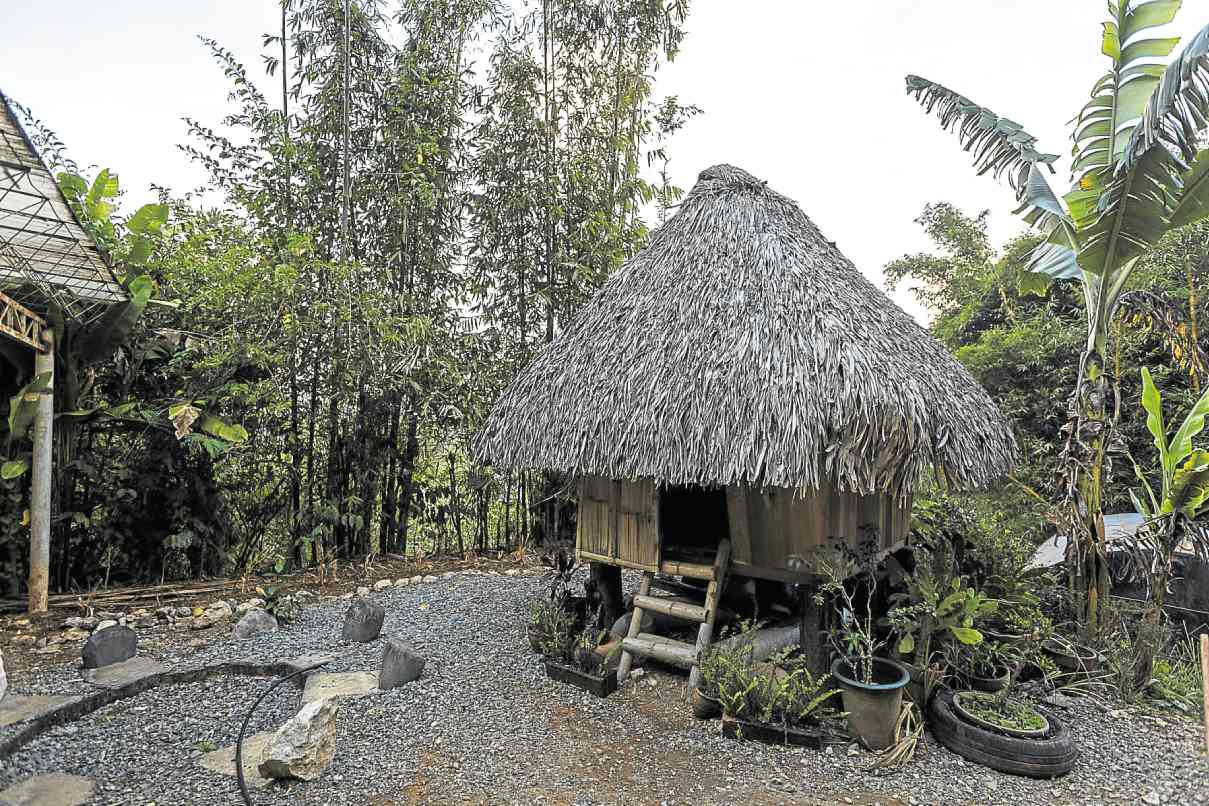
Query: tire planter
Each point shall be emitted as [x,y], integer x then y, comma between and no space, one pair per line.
[705,706]
[816,738]
[959,703]
[600,685]
[872,708]
[1049,756]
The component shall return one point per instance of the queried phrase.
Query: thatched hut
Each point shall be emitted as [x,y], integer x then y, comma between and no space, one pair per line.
[740,379]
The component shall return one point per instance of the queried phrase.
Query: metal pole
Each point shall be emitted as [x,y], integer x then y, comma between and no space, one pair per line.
[39,503]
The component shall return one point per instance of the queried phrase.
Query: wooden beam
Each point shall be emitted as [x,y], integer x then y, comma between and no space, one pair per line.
[40,479]
[20,323]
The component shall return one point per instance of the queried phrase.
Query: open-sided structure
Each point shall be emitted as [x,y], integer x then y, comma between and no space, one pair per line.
[47,259]
[740,380]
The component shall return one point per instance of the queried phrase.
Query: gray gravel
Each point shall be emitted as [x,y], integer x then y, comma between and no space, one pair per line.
[484,725]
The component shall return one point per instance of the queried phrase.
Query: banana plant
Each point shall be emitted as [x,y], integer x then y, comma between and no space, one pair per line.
[1137,174]
[1183,491]
[1173,512]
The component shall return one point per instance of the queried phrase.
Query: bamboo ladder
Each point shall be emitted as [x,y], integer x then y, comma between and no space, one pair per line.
[677,653]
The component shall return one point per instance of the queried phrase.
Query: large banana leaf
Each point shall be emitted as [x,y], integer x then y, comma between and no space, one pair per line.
[1056,256]
[999,145]
[1003,146]
[1152,402]
[1180,447]
[23,406]
[1157,182]
[1190,486]
[114,326]
[1119,97]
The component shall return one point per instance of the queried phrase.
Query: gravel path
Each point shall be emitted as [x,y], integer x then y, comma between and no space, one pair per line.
[484,725]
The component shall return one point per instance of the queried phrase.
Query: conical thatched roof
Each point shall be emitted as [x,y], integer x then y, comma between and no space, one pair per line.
[742,346]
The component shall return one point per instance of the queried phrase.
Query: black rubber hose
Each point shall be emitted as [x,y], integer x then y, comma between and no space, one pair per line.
[243,785]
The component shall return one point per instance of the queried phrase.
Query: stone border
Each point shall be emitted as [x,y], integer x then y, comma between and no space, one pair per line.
[85,704]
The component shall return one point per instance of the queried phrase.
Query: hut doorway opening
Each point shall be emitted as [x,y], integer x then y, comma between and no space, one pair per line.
[692,521]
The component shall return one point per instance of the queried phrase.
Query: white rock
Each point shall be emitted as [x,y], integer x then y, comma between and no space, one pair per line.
[511,572]
[304,746]
[106,624]
[3,677]
[254,622]
[414,580]
[402,582]
[219,611]
[428,578]
[382,583]
[363,591]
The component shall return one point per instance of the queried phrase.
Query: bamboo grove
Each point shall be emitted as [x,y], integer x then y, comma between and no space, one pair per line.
[406,209]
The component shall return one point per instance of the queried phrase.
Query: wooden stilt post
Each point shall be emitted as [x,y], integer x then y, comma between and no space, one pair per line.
[40,479]
[1205,684]
[813,627]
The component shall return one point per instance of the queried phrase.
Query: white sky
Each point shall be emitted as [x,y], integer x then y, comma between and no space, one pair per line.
[808,95]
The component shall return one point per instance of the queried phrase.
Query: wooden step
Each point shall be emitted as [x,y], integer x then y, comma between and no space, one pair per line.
[691,570]
[676,653]
[672,607]
[677,588]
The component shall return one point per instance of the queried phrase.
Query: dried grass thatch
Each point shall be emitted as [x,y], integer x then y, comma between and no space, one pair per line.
[741,346]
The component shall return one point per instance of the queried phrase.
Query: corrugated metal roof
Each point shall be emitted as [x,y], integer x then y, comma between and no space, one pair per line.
[44,252]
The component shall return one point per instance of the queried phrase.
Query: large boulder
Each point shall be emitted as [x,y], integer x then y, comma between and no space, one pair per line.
[303,747]
[363,621]
[254,622]
[110,645]
[401,663]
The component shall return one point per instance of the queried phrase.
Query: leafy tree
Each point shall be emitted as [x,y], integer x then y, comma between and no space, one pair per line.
[1139,173]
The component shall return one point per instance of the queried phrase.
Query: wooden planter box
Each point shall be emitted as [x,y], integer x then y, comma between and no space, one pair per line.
[816,738]
[601,686]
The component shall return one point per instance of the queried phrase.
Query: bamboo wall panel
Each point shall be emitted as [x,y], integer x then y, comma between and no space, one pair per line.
[637,523]
[594,522]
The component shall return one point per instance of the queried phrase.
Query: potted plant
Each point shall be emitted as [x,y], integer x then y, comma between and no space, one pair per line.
[936,607]
[1071,658]
[715,667]
[871,686]
[561,570]
[986,666]
[1010,736]
[777,702]
[550,626]
[582,666]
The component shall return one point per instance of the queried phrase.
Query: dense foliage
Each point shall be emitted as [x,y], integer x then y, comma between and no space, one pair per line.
[433,190]
[1023,347]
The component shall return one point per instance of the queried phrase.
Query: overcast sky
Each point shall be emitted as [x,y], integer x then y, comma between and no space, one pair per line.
[808,95]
